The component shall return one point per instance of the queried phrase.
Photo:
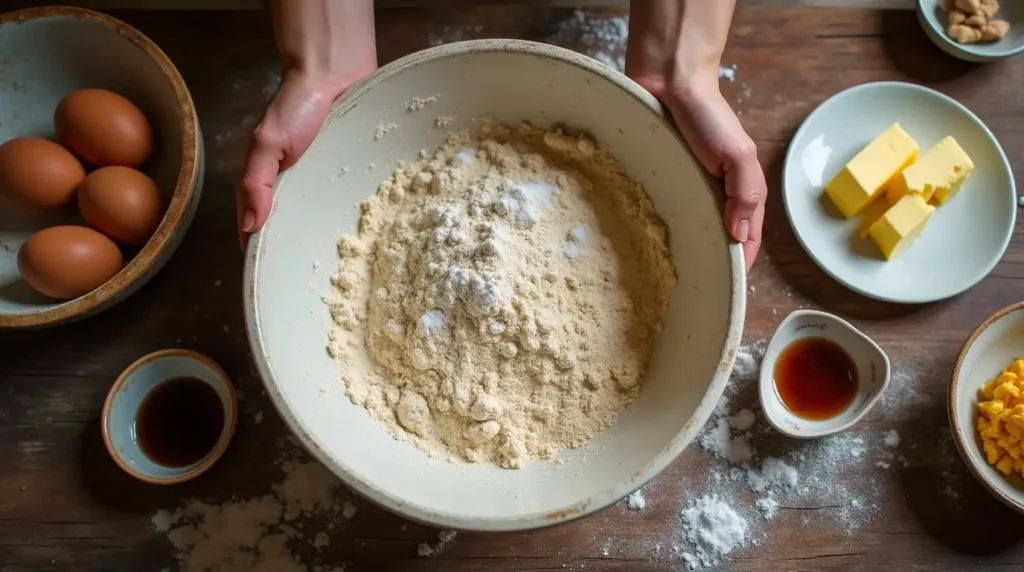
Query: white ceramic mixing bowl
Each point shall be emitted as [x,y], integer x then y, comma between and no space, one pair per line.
[290,261]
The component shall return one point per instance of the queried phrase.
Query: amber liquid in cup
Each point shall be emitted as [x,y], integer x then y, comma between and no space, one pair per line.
[815,378]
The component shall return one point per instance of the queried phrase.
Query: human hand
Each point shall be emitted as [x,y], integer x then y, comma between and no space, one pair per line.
[291,121]
[714,133]
[675,48]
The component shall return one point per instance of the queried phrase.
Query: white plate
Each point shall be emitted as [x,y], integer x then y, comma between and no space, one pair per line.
[964,239]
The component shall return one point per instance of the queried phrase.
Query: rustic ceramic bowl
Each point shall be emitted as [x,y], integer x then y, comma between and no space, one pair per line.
[316,202]
[990,348]
[934,22]
[46,53]
[132,387]
[873,372]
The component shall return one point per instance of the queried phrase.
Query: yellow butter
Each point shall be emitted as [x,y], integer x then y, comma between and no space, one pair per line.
[867,175]
[937,175]
[901,224]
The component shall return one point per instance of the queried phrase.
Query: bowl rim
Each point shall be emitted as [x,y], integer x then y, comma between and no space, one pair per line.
[954,418]
[227,432]
[966,52]
[603,499]
[184,191]
[766,385]
[803,236]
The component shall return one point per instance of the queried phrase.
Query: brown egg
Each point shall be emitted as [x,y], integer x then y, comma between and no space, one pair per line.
[66,262]
[122,203]
[37,175]
[104,128]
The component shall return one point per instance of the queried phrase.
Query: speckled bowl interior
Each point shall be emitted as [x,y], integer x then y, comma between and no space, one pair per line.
[46,53]
[315,204]
[934,22]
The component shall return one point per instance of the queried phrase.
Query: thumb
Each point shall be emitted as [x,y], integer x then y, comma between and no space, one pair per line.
[254,195]
[744,189]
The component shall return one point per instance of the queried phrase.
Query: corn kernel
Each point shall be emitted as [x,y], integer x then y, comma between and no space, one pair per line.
[991,451]
[982,423]
[992,408]
[1014,451]
[1005,465]
[1016,368]
[1005,389]
[988,389]
[1018,465]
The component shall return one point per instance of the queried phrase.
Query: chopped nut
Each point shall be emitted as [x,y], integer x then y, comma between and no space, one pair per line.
[964,34]
[957,17]
[969,6]
[995,30]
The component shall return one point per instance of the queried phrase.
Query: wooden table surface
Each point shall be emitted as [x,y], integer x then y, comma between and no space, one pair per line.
[65,506]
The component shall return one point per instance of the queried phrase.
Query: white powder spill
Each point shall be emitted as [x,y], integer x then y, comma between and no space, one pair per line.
[575,240]
[727,72]
[451,34]
[444,538]
[714,529]
[599,36]
[465,157]
[636,500]
[253,534]
[814,160]
[768,507]
[745,486]
[892,438]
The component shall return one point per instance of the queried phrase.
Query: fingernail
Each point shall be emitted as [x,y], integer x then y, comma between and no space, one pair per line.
[742,230]
[249,220]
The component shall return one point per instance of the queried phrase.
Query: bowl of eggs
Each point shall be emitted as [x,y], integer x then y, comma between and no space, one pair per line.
[101,163]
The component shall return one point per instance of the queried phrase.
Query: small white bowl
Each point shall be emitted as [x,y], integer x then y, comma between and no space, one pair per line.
[990,347]
[872,369]
[129,391]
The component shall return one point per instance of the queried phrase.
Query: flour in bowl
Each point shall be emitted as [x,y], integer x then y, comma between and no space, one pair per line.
[500,299]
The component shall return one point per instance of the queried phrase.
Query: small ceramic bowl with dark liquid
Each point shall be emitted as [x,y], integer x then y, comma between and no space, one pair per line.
[169,416]
[820,375]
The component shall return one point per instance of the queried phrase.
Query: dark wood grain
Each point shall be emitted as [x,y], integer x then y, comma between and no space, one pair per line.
[65,506]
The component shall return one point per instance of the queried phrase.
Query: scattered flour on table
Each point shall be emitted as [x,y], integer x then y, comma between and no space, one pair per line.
[444,538]
[274,532]
[747,486]
[450,34]
[602,37]
[462,323]
[636,500]
[727,72]
[253,534]
[713,529]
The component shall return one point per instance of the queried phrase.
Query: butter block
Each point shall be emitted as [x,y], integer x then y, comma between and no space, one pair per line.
[937,175]
[868,174]
[901,224]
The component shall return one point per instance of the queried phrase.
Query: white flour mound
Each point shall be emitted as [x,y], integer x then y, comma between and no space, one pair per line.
[714,529]
[500,300]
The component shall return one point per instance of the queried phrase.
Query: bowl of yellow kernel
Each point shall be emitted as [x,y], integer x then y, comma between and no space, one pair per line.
[986,404]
